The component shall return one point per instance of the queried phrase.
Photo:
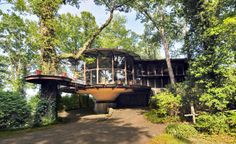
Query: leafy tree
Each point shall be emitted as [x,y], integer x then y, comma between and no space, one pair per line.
[116,35]
[148,46]
[160,15]
[210,48]
[15,43]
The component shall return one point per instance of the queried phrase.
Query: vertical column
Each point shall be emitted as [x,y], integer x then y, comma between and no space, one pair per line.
[113,69]
[85,81]
[162,70]
[125,71]
[133,72]
[97,73]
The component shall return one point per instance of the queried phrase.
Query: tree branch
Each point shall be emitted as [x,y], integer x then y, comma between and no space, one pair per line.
[89,42]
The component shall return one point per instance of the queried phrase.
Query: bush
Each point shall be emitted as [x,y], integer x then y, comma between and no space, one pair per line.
[14,111]
[33,102]
[167,104]
[74,102]
[212,124]
[154,118]
[70,102]
[45,112]
[231,120]
[181,130]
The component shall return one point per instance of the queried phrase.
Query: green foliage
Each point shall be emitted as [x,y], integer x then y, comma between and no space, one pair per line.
[181,130]
[231,120]
[167,104]
[70,102]
[33,102]
[153,116]
[210,47]
[212,124]
[14,111]
[45,112]
[117,36]
[15,44]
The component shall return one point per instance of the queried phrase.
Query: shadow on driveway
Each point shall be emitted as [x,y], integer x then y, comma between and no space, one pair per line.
[110,131]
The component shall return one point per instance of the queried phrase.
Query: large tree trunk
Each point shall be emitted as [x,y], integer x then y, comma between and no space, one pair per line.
[48,105]
[165,45]
[48,53]
[167,55]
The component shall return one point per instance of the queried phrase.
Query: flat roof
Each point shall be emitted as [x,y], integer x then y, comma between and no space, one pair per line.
[107,51]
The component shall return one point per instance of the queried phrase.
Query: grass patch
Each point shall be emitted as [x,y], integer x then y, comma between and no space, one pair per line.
[168,139]
[154,118]
[213,139]
[19,132]
[198,139]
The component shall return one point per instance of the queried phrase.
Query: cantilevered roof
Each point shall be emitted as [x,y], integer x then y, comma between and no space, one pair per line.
[108,51]
[163,60]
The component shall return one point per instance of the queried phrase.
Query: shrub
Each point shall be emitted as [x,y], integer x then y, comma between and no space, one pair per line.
[14,111]
[74,102]
[167,104]
[181,130]
[45,112]
[154,118]
[231,120]
[33,102]
[70,102]
[212,124]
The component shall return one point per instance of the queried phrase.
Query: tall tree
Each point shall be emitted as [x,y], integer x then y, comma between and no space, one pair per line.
[211,51]
[14,43]
[149,47]
[160,14]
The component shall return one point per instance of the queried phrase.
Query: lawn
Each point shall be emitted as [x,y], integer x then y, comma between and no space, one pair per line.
[199,139]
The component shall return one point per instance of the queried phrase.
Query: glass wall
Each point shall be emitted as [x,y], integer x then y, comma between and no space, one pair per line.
[109,68]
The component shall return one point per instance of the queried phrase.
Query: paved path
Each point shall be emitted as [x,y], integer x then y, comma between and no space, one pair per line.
[126,126]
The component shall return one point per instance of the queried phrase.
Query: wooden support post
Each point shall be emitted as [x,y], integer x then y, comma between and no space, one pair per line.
[113,69]
[133,77]
[97,72]
[126,72]
[162,71]
[85,81]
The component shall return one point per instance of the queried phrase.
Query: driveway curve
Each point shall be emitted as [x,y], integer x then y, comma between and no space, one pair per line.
[125,126]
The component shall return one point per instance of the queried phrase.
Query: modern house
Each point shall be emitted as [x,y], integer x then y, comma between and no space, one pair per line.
[119,78]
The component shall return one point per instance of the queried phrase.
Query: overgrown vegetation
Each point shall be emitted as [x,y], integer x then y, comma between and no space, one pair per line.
[182,131]
[14,111]
[165,107]
[178,133]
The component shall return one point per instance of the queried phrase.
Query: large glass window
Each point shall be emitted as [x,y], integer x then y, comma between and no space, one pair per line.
[119,76]
[92,65]
[105,62]
[119,62]
[105,76]
[101,69]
